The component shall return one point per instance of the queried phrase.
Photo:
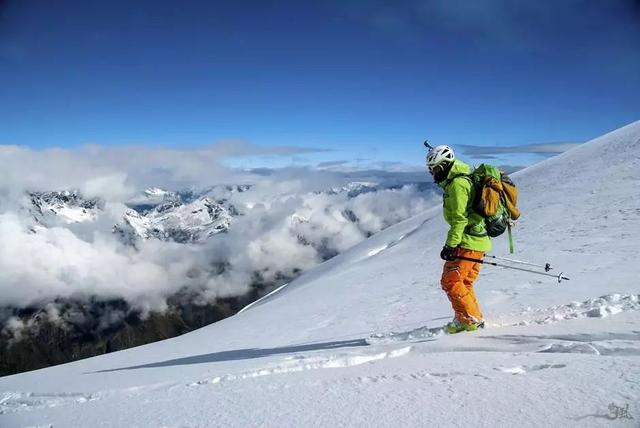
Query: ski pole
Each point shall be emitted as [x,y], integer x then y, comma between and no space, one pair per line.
[427,145]
[547,267]
[560,277]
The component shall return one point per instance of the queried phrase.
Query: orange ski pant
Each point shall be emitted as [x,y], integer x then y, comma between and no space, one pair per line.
[457,281]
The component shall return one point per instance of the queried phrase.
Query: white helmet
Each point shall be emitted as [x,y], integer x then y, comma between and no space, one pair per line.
[440,155]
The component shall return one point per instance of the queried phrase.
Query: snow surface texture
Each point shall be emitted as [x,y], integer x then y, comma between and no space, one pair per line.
[356,340]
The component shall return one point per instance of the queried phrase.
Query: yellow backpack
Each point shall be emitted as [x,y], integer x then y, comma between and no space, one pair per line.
[496,198]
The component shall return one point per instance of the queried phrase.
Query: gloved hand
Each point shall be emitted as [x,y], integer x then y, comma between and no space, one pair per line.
[448,253]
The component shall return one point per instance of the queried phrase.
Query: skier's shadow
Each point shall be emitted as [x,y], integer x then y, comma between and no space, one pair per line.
[245,354]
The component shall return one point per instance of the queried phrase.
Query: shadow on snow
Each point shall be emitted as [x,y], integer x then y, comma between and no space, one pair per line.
[245,354]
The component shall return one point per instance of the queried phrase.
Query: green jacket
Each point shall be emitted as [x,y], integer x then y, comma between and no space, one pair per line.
[467,227]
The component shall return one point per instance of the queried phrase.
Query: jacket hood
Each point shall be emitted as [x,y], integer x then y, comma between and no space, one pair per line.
[457,168]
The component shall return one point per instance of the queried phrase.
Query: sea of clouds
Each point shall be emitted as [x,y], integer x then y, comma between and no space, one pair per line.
[289,223]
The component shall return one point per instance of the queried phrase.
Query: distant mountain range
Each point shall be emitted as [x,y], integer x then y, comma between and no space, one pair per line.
[185,216]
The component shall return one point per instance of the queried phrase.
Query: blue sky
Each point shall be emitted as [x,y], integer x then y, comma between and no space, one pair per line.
[365,80]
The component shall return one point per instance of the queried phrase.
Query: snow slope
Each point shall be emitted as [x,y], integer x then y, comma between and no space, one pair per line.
[552,355]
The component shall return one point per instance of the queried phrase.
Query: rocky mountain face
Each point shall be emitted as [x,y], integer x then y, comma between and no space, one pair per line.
[49,208]
[181,217]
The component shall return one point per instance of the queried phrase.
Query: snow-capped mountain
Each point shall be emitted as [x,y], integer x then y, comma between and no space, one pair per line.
[64,207]
[154,196]
[177,221]
[353,189]
[357,188]
[180,216]
[184,216]
[319,350]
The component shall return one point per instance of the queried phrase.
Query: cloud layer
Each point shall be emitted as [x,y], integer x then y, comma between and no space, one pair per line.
[288,223]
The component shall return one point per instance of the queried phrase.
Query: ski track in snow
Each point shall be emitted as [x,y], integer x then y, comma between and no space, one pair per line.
[600,307]
[594,344]
[17,402]
[417,334]
[13,402]
[525,369]
[302,363]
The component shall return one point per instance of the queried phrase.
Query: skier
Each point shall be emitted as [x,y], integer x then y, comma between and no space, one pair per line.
[467,237]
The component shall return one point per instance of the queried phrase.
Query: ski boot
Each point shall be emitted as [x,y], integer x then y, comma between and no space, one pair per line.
[456,326]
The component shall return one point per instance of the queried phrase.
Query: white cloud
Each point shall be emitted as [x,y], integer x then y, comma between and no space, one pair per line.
[108,187]
[54,262]
[286,226]
[117,170]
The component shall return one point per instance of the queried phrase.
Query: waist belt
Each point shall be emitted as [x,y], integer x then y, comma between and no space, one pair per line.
[469,231]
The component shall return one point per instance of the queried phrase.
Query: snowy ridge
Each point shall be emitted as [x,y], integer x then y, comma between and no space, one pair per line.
[551,355]
[187,216]
[64,207]
[177,221]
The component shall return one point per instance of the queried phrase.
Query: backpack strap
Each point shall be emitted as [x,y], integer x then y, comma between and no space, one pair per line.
[468,230]
[450,180]
[510,238]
